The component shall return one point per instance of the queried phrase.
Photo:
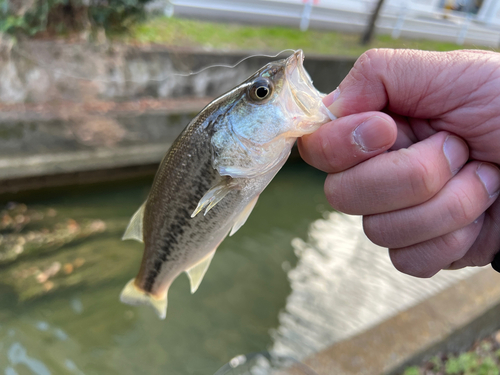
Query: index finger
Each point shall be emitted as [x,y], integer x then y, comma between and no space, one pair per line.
[411,83]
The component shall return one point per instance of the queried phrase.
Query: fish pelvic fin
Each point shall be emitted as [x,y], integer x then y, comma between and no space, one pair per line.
[132,295]
[197,272]
[134,229]
[214,196]
[243,216]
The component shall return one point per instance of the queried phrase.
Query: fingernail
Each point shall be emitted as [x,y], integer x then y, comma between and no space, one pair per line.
[457,153]
[373,134]
[331,97]
[490,177]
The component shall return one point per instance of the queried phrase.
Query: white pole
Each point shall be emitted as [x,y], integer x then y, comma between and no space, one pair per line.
[463,30]
[306,15]
[396,31]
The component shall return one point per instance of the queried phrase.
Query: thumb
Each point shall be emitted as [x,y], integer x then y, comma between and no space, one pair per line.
[408,82]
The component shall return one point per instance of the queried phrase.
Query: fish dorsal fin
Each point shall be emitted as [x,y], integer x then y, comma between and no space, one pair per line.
[197,272]
[243,216]
[214,196]
[134,229]
[132,295]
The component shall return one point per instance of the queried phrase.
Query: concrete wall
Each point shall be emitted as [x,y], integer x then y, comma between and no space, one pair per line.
[68,109]
[41,72]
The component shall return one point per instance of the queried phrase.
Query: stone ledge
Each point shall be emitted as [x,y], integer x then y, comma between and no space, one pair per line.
[40,142]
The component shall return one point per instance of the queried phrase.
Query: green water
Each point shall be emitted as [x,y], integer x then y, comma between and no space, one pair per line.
[73,322]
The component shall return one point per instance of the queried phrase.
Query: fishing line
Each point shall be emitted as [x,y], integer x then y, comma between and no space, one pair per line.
[235,65]
[62,73]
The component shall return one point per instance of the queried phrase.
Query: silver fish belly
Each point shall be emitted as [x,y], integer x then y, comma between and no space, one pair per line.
[210,179]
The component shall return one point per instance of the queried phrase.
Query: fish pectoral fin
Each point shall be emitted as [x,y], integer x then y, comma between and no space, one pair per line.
[243,216]
[133,295]
[134,229]
[214,196]
[197,272]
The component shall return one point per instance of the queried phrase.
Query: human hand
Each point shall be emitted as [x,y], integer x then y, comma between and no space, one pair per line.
[433,198]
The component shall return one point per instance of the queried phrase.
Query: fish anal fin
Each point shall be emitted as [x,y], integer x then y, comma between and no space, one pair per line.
[134,228]
[197,272]
[214,196]
[133,295]
[243,216]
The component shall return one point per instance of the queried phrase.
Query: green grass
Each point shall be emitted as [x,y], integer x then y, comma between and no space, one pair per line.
[482,359]
[198,34]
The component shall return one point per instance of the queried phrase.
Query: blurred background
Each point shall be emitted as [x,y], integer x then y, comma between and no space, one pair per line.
[92,94]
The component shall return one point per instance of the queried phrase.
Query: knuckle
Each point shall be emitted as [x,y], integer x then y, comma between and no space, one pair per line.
[420,175]
[363,66]
[422,179]
[372,63]
[452,244]
[461,208]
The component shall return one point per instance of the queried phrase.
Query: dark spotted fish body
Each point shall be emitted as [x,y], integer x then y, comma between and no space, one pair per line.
[210,179]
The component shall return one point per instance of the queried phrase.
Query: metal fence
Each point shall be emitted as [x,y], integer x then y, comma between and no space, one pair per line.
[405,20]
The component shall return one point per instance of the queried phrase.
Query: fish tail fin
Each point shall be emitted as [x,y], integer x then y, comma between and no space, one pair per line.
[133,295]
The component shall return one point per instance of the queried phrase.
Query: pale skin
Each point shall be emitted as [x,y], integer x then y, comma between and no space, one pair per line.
[416,151]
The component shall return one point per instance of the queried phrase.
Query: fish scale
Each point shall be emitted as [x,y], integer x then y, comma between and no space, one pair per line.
[210,179]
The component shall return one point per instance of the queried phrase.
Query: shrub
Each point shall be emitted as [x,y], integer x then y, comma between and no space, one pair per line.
[31,17]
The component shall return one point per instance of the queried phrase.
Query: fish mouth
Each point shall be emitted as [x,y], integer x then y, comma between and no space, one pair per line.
[302,97]
[300,83]
[294,61]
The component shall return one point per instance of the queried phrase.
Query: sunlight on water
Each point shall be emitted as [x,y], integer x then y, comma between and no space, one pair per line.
[17,355]
[342,285]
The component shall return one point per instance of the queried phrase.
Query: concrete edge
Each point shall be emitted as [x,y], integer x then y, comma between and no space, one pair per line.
[81,161]
[448,321]
[78,168]
[10,189]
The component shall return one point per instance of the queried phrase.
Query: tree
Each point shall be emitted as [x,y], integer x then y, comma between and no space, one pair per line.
[31,17]
[370,28]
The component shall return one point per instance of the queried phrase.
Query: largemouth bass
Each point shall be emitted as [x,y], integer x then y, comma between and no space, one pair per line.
[210,179]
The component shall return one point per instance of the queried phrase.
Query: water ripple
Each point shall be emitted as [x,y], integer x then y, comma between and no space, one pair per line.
[342,285]
[17,355]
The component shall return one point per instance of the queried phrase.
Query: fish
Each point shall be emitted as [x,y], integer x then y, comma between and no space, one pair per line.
[210,179]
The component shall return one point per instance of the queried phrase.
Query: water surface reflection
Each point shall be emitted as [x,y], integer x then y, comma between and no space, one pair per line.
[342,285]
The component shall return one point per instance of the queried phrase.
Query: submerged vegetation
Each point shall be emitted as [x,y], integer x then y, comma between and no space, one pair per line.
[211,35]
[33,249]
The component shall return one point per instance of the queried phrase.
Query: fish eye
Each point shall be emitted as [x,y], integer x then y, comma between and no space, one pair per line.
[261,92]
[261,89]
